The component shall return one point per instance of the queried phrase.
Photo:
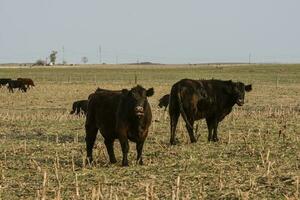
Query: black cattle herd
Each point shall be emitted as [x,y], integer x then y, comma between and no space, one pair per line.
[126,114]
[21,84]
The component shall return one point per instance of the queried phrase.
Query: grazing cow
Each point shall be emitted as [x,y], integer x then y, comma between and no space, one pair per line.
[4,81]
[79,106]
[27,81]
[164,101]
[209,99]
[119,115]
[16,84]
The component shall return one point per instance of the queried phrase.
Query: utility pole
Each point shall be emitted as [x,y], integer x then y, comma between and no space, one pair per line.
[100,56]
[249,58]
[63,55]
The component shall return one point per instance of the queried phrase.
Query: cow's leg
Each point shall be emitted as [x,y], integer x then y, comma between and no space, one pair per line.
[73,109]
[174,115]
[109,143]
[212,125]
[125,147]
[139,149]
[91,134]
[191,131]
[215,134]
[210,128]
[77,110]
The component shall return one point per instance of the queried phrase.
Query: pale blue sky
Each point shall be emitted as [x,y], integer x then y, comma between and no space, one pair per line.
[166,31]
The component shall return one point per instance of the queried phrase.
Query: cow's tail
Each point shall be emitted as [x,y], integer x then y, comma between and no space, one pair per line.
[183,114]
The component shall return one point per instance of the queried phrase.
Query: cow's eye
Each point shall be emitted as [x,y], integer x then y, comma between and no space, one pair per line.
[135,95]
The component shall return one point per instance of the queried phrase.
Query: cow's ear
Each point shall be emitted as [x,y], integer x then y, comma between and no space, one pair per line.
[248,88]
[125,91]
[149,92]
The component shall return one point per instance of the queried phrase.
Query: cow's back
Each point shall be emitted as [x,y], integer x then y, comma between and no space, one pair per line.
[26,81]
[218,102]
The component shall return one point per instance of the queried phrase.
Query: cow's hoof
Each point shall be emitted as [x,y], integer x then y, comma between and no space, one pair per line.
[174,142]
[89,161]
[125,164]
[193,140]
[141,162]
[215,139]
[113,161]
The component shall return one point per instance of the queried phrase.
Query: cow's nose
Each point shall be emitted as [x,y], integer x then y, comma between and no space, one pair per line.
[139,109]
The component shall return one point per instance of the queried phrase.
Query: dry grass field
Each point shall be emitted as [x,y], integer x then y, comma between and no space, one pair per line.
[42,147]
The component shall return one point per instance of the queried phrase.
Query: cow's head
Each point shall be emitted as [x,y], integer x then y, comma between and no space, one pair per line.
[136,99]
[161,103]
[164,101]
[238,90]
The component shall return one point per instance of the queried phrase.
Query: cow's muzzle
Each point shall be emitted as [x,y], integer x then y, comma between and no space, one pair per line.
[139,111]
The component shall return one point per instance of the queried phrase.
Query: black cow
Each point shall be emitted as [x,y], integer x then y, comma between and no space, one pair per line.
[16,84]
[4,81]
[164,101]
[79,106]
[119,115]
[209,99]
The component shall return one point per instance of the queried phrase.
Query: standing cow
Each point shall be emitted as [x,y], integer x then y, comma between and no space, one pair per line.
[79,106]
[16,84]
[209,99]
[164,101]
[27,81]
[124,115]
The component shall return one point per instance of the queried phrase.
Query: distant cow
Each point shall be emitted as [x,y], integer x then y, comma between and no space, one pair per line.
[27,81]
[79,106]
[119,115]
[164,101]
[4,81]
[209,99]
[16,84]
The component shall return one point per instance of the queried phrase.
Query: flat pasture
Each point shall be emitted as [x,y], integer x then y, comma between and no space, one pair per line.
[42,146]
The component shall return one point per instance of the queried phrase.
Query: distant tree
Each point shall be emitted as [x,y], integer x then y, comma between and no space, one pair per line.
[40,62]
[53,57]
[84,59]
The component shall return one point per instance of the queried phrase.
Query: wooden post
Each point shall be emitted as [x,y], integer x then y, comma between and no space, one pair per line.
[135,79]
